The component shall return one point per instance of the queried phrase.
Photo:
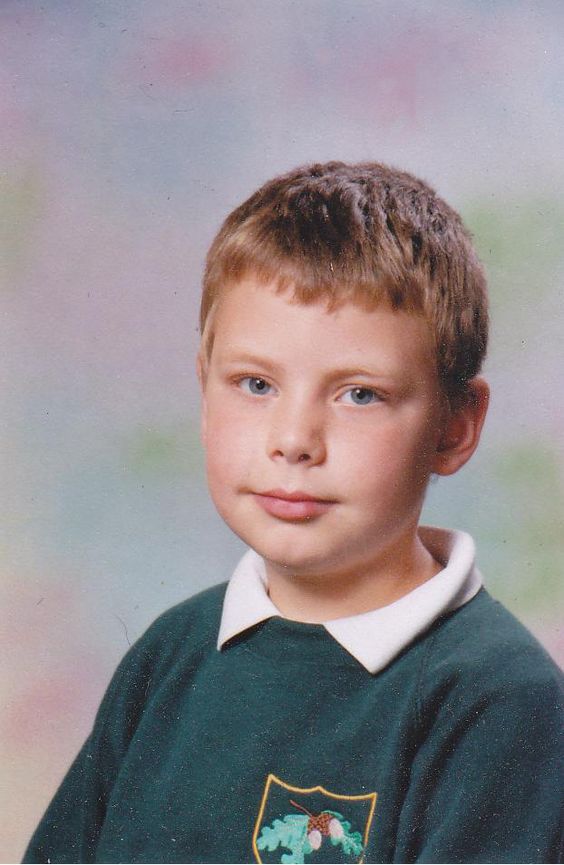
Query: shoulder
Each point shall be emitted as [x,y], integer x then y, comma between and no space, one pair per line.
[199,616]
[486,774]
[483,633]
[482,652]
[189,624]
[180,636]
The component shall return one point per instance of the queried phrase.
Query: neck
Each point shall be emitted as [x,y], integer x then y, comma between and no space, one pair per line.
[321,597]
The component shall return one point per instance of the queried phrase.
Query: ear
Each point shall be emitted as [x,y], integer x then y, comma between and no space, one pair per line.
[201,371]
[462,428]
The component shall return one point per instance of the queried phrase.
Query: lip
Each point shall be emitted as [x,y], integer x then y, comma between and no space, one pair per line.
[295,505]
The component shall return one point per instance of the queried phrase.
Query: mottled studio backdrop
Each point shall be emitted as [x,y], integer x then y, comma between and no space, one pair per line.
[128,130]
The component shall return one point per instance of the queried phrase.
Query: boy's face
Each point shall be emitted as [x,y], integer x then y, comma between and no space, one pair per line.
[321,428]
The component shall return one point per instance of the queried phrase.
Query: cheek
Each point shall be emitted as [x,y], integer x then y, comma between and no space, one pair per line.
[392,457]
[229,444]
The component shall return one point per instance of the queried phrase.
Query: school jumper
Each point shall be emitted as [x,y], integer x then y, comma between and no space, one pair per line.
[426,731]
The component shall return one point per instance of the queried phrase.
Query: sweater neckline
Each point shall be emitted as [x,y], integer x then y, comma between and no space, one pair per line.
[286,642]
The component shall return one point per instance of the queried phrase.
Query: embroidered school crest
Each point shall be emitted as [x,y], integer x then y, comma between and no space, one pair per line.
[297,824]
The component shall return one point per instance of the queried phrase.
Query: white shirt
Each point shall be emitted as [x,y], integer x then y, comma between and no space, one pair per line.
[376,637]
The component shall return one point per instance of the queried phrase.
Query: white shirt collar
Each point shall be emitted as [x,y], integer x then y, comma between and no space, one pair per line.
[376,637]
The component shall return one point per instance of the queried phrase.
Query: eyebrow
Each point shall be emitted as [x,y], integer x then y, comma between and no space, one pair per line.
[247,357]
[341,372]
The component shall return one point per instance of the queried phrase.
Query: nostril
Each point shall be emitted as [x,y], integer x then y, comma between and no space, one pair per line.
[303,458]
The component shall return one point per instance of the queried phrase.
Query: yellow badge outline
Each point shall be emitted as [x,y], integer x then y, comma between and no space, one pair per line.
[271,778]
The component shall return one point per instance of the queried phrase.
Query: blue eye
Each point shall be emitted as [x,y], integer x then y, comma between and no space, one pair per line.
[360,396]
[255,386]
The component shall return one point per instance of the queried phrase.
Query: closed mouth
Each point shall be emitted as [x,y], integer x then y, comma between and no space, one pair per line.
[295,496]
[293,506]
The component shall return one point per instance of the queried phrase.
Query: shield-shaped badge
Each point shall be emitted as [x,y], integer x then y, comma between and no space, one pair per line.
[311,824]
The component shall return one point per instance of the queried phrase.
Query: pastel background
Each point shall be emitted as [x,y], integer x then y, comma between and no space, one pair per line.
[129,129]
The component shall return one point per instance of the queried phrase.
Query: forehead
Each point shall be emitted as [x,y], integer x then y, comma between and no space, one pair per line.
[257,319]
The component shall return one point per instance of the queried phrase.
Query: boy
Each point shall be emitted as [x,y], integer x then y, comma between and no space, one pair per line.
[354,695]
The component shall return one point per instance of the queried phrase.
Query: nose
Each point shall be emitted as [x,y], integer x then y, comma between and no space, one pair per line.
[297,435]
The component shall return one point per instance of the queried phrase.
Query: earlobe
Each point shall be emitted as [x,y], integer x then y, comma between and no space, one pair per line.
[463,426]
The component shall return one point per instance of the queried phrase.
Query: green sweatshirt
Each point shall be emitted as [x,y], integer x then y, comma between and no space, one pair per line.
[283,748]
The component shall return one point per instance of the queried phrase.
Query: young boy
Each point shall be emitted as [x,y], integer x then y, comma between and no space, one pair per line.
[354,694]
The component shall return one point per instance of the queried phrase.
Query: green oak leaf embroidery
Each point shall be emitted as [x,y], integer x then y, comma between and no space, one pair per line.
[301,834]
[351,842]
[291,833]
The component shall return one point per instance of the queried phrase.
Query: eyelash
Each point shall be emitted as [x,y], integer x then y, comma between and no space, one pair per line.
[375,397]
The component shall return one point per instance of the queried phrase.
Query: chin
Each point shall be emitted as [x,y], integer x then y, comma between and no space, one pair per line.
[303,561]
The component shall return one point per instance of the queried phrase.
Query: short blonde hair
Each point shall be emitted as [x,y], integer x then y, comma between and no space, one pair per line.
[367,233]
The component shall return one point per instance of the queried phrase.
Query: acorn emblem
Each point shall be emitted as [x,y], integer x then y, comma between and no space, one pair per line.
[320,825]
[303,833]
